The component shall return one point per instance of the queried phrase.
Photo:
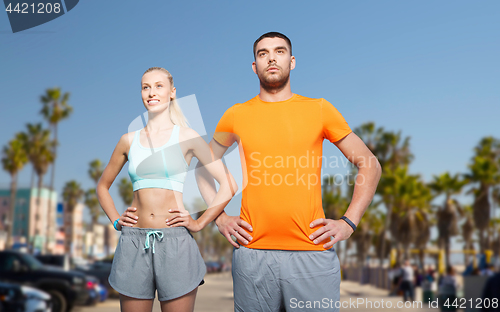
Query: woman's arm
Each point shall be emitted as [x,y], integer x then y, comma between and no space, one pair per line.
[228,225]
[200,149]
[115,165]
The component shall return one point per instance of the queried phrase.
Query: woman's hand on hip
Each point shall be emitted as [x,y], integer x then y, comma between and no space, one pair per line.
[183,218]
[128,218]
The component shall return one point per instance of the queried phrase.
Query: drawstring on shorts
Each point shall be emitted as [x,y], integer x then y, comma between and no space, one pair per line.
[155,234]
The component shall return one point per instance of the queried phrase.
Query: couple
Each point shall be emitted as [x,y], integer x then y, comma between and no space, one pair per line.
[283,258]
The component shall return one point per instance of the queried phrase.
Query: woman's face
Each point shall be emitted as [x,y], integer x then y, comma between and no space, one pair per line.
[156,91]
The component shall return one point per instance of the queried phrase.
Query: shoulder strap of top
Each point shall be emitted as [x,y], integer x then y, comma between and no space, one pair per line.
[134,141]
[175,135]
[136,138]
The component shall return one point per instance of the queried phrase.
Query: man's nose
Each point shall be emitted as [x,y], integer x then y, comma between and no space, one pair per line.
[272,59]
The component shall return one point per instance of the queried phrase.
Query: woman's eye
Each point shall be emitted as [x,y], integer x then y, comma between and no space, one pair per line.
[159,86]
[144,88]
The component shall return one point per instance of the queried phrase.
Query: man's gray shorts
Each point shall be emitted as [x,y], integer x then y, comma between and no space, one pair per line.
[171,265]
[283,280]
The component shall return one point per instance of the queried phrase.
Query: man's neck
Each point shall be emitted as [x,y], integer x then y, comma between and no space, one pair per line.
[275,95]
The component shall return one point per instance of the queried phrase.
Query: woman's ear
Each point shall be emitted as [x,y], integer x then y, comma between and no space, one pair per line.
[173,93]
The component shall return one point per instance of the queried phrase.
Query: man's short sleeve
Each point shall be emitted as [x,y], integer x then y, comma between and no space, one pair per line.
[334,125]
[224,132]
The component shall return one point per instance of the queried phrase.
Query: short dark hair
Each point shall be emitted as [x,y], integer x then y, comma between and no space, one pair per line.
[272,34]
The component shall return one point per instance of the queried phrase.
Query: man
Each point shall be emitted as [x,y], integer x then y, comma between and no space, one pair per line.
[287,262]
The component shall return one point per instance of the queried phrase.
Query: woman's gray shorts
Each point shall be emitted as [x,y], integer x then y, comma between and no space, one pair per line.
[165,260]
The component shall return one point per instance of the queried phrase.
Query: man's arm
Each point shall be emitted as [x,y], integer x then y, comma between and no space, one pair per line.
[369,172]
[228,225]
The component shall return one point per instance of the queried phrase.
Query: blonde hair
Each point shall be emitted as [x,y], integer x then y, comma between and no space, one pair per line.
[175,111]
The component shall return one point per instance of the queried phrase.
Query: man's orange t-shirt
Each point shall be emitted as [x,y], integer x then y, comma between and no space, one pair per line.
[281,148]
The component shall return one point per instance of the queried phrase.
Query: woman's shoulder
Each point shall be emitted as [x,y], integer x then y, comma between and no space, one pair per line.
[186,133]
[126,141]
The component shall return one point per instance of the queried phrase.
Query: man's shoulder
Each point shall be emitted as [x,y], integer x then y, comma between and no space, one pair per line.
[299,97]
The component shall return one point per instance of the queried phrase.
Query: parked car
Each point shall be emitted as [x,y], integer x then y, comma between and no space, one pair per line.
[20,298]
[61,261]
[213,266]
[66,288]
[36,300]
[103,292]
[11,298]
[101,270]
[94,296]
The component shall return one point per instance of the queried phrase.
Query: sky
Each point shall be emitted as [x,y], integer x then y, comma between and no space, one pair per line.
[428,69]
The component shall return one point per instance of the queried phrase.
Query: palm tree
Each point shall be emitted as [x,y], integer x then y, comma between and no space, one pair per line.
[366,233]
[95,170]
[448,214]
[13,160]
[72,193]
[39,149]
[126,191]
[96,211]
[334,205]
[54,110]
[96,167]
[496,231]
[468,231]
[484,173]
[412,206]
[392,151]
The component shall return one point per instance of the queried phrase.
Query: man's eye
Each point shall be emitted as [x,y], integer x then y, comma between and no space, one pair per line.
[262,54]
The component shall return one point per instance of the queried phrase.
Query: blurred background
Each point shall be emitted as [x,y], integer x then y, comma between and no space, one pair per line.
[417,81]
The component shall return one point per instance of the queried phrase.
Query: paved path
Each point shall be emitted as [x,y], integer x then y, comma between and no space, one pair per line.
[217,296]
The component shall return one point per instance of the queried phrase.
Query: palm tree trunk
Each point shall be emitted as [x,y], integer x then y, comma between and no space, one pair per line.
[386,227]
[481,240]
[52,175]
[10,217]
[466,255]
[346,249]
[93,240]
[30,208]
[447,251]
[37,213]
[421,257]
[68,229]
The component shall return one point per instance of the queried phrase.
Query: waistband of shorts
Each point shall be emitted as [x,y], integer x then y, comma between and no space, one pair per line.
[167,232]
[331,249]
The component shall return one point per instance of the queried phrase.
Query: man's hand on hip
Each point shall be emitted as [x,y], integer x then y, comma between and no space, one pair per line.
[339,229]
[229,225]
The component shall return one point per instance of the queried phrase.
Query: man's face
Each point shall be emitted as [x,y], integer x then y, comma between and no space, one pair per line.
[273,62]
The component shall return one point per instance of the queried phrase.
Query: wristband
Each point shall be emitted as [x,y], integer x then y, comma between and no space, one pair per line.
[346,219]
[115,224]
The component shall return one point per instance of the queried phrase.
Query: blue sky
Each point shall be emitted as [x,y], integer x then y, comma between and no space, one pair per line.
[429,69]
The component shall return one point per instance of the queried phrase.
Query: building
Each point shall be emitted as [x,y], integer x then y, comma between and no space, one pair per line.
[74,231]
[102,241]
[31,216]
[110,239]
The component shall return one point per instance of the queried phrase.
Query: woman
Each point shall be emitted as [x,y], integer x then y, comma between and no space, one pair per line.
[156,251]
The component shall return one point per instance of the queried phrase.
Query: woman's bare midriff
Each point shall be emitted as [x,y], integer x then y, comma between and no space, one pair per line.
[152,206]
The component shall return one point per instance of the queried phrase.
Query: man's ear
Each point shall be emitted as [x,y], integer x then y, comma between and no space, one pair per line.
[292,62]
[254,67]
